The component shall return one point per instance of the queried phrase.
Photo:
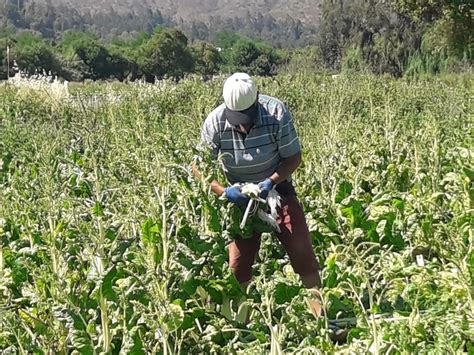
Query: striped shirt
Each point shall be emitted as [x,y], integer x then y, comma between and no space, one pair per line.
[254,156]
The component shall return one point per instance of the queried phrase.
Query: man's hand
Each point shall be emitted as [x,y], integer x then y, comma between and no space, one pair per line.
[234,195]
[265,187]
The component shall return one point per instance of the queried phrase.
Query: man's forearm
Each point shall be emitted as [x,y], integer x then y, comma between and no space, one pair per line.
[216,187]
[286,168]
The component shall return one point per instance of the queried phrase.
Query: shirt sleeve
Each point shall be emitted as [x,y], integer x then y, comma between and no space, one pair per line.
[287,138]
[210,136]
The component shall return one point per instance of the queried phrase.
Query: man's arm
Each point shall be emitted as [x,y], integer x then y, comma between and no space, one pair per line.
[233,193]
[216,187]
[286,168]
[289,148]
[210,137]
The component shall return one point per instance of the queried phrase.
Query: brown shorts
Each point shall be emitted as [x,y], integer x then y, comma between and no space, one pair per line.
[295,239]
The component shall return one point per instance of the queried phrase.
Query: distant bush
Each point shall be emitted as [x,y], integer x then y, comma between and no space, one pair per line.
[166,54]
[85,51]
[32,54]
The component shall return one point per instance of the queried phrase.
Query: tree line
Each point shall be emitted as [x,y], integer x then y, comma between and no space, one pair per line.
[164,53]
[399,37]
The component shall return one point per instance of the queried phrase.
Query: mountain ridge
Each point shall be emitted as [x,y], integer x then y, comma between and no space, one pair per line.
[304,10]
[283,23]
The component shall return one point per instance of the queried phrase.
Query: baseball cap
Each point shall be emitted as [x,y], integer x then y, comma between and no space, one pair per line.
[240,95]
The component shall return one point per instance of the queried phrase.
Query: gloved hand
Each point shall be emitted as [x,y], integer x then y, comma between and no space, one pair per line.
[234,195]
[265,187]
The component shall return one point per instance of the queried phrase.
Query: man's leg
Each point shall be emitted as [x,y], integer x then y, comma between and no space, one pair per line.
[242,254]
[296,240]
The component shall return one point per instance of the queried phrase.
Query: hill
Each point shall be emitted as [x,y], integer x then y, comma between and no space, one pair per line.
[283,23]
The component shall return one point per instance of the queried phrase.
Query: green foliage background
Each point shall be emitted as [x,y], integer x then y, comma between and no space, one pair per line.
[399,38]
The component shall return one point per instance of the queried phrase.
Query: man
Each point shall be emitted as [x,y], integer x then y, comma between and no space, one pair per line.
[257,141]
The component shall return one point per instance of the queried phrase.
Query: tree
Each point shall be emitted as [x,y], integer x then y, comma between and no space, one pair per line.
[3,59]
[7,35]
[33,55]
[199,30]
[371,30]
[226,39]
[253,57]
[206,58]
[449,23]
[102,64]
[11,13]
[304,60]
[130,48]
[166,54]
[244,53]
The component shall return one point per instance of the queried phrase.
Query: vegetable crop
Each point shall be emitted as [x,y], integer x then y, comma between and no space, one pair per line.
[108,244]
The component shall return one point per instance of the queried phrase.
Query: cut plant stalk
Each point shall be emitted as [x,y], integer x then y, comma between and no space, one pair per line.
[246,214]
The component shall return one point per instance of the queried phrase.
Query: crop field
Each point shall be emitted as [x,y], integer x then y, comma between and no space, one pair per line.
[108,244]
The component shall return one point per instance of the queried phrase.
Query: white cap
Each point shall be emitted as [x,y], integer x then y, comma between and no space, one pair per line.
[240,92]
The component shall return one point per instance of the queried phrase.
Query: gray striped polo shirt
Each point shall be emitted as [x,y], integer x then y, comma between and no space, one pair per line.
[255,156]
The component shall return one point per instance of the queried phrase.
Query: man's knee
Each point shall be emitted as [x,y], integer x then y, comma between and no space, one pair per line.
[312,280]
[242,255]
[305,264]
[242,273]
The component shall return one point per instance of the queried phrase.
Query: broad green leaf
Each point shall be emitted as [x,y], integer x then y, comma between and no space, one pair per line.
[174,317]
[285,293]
[353,211]
[344,190]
